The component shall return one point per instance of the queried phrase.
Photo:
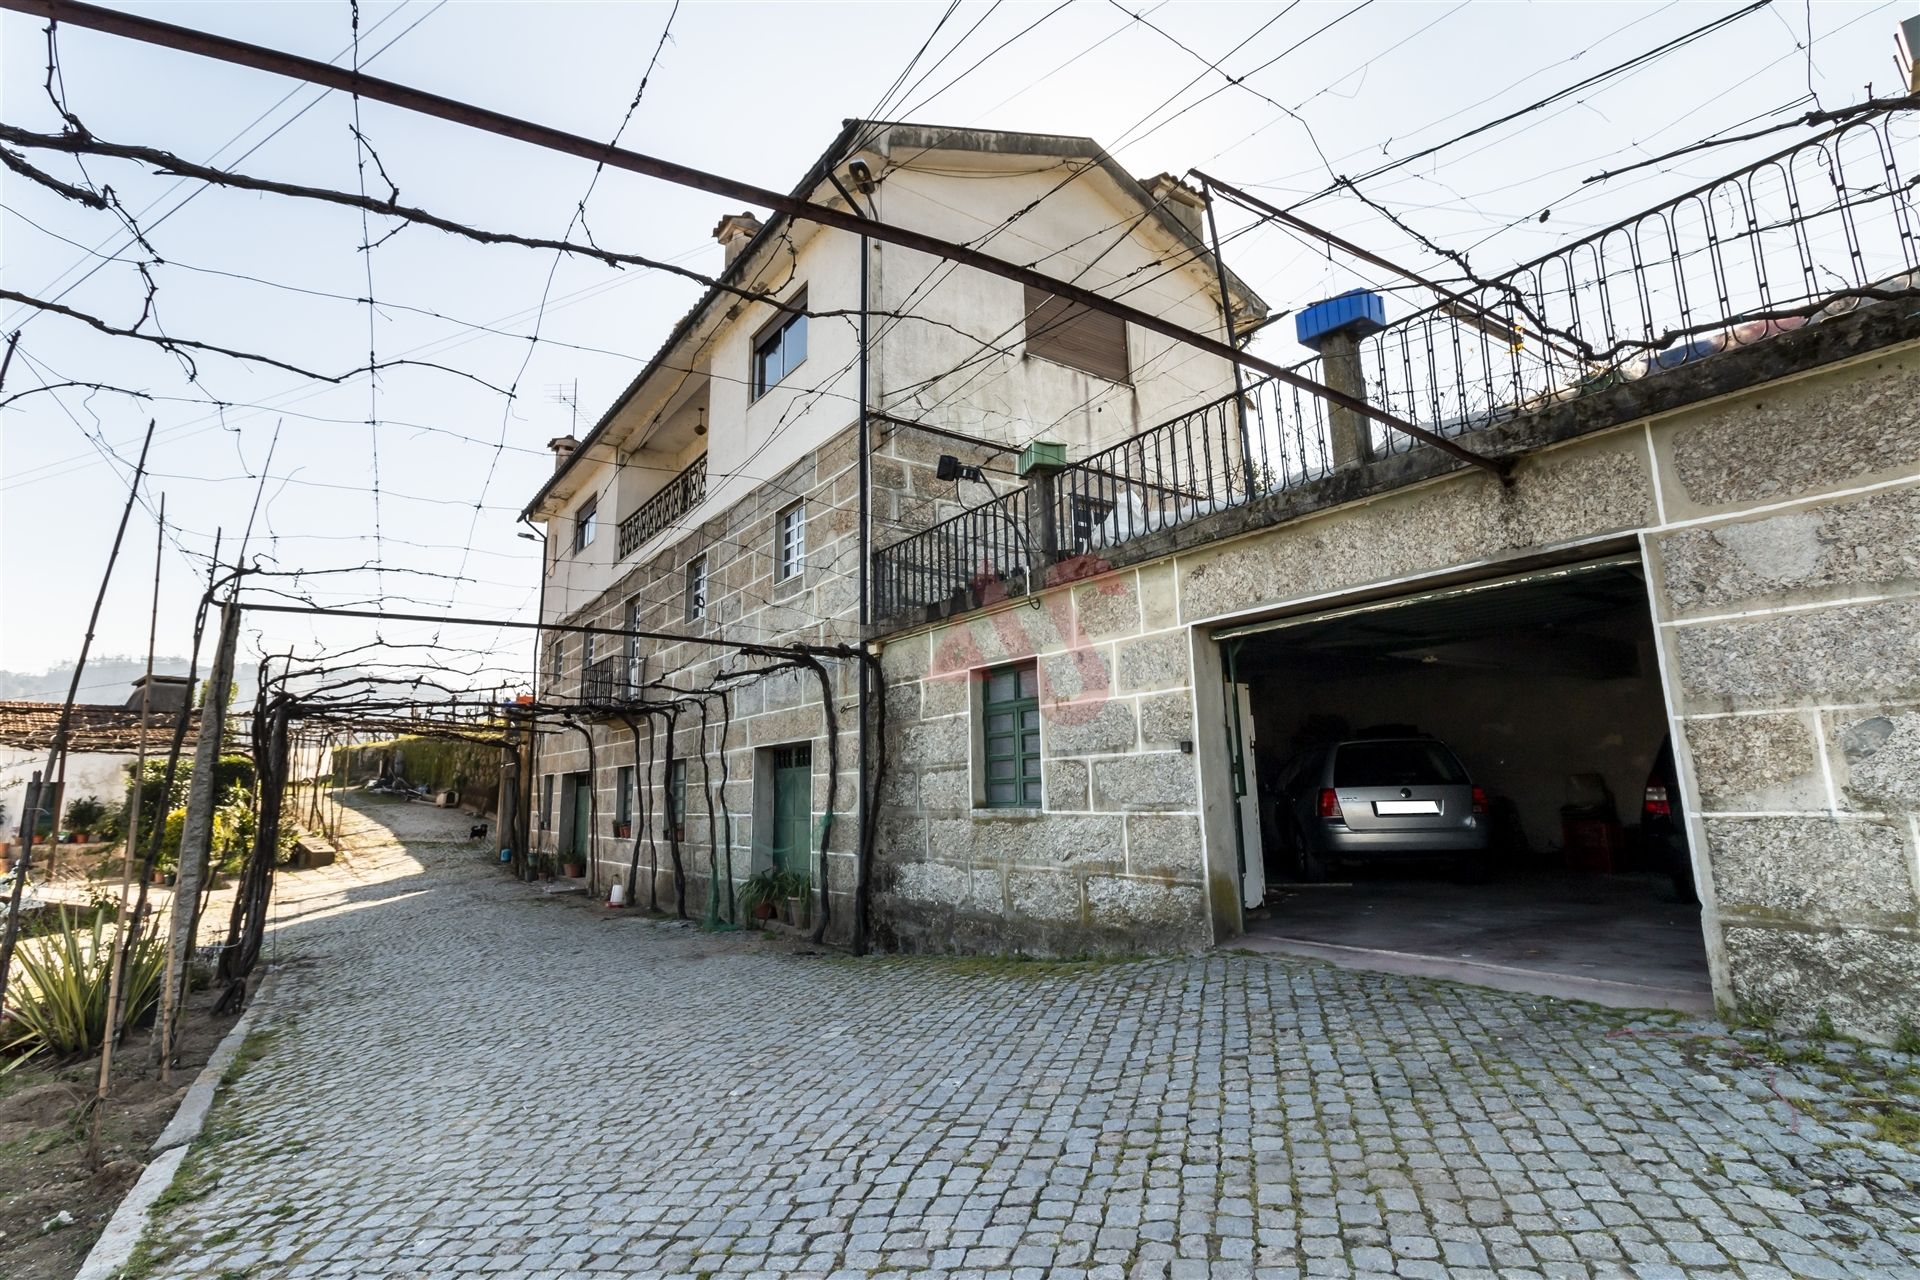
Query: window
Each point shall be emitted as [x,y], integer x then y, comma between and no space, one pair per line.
[623,795]
[556,661]
[791,553]
[1069,334]
[779,349]
[546,803]
[585,521]
[1395,763]
[677,800]
[696,589]
[636,662]
[1010,719]
[586,649]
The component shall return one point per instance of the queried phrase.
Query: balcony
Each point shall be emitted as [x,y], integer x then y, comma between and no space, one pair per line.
[1801,238]
[674,499]
[606,681]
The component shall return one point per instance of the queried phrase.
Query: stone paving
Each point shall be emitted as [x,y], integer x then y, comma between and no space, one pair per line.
[465,1077]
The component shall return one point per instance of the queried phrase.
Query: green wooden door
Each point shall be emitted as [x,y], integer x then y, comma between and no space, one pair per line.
[792,807]
[578,841]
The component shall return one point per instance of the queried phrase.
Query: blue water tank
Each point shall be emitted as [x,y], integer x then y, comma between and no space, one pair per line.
[1358,312]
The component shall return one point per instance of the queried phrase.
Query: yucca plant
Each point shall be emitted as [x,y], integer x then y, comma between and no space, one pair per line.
[59,996]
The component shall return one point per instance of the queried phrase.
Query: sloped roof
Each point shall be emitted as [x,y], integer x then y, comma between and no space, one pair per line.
[111,730]
[919,136]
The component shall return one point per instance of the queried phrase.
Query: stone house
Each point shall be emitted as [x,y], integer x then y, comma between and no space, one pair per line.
[719,495]
[1697,537]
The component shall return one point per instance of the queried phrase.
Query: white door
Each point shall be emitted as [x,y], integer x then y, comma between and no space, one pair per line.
[1253,872]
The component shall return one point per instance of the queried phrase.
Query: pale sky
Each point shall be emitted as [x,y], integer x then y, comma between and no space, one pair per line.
[751,91]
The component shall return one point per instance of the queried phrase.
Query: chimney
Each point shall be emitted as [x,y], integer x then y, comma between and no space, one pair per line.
[734,233]
[563,447]
[1185,205]
[168,695]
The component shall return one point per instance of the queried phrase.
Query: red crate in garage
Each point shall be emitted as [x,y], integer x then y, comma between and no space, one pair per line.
[1591,844]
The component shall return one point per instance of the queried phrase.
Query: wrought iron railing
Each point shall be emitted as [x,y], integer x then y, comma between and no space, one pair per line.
[1816,229]
[956,564]
[606,681]
[674,499]
[1811,232]
[1270,437]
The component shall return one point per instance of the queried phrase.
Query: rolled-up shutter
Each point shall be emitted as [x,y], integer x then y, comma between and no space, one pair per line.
[1073,335]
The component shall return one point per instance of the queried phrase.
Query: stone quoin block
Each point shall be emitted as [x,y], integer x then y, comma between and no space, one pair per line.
[1813,870]
[1802,437]
[1859,546]
[1867,980]
[1846,653]
[1880,758]
[1166,718]
[1757,762]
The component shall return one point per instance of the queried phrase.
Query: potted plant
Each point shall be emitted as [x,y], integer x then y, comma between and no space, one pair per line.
[83,816]
[574,867]
[622,830]
[761,892]
[795,887]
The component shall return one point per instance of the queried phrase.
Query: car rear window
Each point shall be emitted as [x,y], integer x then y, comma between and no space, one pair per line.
[1395,764]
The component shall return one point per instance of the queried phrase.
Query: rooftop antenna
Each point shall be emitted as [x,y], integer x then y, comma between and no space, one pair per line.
[562,393]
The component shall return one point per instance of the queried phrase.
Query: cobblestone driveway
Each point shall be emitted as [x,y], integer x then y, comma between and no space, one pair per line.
[466,1078]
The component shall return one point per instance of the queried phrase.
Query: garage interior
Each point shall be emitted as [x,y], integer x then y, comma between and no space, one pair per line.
[1547,688]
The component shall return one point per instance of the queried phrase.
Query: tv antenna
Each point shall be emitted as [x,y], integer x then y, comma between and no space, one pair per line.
[568,395]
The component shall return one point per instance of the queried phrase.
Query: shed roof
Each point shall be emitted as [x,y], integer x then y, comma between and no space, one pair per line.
[93,728]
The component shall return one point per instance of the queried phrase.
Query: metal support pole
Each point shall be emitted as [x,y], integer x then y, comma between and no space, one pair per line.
[1247,472]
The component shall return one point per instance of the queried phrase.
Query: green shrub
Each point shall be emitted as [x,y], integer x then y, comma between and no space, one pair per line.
[761,889]
[60,992]
[85,814]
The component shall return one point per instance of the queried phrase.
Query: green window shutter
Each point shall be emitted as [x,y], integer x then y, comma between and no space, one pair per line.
[1010,723]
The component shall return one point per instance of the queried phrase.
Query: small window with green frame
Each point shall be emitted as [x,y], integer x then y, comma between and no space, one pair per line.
[1010,736]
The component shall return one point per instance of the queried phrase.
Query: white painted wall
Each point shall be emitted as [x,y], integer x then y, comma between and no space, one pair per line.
[101,775]
[1087,231]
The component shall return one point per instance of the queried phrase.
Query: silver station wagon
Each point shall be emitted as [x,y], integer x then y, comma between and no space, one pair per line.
[1376,798]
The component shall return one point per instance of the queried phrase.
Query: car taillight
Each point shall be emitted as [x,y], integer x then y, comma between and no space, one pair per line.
[1656,805]
[1479,799]
[1330,804]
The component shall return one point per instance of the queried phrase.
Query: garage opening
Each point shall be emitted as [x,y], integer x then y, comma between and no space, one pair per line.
[1470,782]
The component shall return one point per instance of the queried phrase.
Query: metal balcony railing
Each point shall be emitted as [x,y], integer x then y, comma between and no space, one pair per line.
[674,499]
[1807,234]
[957,563]
[606,681]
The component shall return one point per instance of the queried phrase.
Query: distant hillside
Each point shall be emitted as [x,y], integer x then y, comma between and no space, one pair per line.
[106,680]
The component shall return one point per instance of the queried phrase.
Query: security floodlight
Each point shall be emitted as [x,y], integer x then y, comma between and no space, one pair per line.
[950,468]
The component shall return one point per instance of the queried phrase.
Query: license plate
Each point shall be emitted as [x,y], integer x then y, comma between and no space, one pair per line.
[1399,808]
